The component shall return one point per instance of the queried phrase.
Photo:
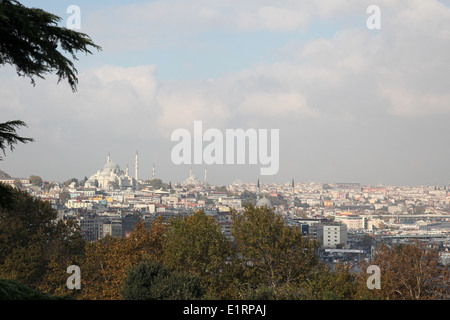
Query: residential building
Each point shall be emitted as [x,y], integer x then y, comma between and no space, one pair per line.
[334,235]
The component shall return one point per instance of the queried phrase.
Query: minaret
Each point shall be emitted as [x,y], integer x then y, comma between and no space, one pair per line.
[126,172]
[108,159]
[258,191]
[154,176]
[137,167]
[293,197]
[206,181]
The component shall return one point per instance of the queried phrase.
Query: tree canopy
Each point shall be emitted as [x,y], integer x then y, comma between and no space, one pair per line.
[9,137]
[154,281]
[33,243]
[32,41]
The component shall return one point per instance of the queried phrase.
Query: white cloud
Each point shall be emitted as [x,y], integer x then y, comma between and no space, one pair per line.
[276,105]
[401,71]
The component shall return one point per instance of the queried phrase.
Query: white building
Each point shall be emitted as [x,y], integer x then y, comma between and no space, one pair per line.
[192,181]
[354,222]
[111,176]
[334,235]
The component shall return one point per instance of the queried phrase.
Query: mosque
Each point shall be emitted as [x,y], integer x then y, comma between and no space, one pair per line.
[111,176]
[264,202]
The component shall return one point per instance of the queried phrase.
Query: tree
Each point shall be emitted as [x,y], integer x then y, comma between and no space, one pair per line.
[8,135]
[270,252]
[30,237]
[82,182]
[408,272]
[36,180]
[108,260]
[222,189]
[67,248]
[17,183]
[327,284]
[196,244]
[9,138]
[64,196]
[155,183]
[153,281]
[70,181]
[49,186]
[13,290]
[30,39]
[420,209]
[103,268]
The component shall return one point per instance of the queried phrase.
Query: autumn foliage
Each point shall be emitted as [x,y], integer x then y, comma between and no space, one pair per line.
[408,272]
[189,256]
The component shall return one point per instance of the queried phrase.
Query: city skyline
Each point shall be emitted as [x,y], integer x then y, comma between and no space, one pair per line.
[351,104]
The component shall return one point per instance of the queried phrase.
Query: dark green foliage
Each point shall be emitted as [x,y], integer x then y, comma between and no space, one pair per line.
[153,281]
[6,196]
[12,290]
[30,38]
[36,180]
[8,135]
[30,238]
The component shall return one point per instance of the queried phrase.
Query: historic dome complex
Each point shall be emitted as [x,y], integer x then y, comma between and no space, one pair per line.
[112,177]
[264,202]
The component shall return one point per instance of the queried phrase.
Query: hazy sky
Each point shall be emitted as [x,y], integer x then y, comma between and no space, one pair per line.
[352,104]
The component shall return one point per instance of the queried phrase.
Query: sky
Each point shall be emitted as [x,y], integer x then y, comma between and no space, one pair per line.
[352,104]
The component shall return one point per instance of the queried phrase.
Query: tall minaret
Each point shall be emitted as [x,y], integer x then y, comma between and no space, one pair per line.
[154,176]
[206,181]
[137,167]
[258,191]
[293,194]
[108,159]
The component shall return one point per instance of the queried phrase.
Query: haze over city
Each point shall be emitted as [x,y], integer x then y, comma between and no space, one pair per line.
[352,104]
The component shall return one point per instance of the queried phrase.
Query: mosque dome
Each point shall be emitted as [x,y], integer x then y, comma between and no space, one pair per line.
[264,202]
[112,166]
[111,173]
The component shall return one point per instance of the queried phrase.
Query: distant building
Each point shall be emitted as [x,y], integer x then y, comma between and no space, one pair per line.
[334,235]
[111,176]
[192,181]
[91,228]
[11,181]
[264,202]
[352,221]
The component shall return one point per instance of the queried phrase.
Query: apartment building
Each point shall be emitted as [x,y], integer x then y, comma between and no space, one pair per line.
[334,235]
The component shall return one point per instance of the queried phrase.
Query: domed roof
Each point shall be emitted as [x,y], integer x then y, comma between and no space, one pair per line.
[111,165]
[264,202]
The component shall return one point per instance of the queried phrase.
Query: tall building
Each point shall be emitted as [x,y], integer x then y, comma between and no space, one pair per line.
[90,228]
[137,167]
[334,235]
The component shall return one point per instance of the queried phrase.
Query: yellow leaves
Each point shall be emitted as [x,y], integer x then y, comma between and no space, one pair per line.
[408,272]
[108,260]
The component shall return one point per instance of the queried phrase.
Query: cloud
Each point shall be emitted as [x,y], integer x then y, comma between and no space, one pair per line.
[276,105]
[314,86]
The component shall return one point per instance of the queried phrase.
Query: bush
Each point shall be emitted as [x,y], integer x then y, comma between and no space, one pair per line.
[13,290]
[153,281]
